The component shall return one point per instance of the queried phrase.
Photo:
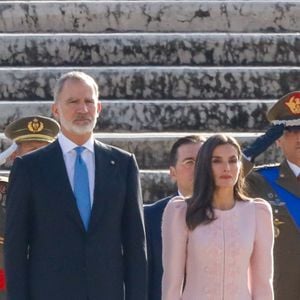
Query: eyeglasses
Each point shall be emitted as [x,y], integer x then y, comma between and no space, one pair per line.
[188,162]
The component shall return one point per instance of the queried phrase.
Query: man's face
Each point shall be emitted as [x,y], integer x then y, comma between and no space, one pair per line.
[183,171]
[289,143]
[77,109]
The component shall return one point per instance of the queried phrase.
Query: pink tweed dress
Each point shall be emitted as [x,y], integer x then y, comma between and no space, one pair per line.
[230,258]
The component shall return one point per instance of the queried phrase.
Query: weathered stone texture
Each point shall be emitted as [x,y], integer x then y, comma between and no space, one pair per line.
[233,83]
[149,49]
[158,116]
[169,16]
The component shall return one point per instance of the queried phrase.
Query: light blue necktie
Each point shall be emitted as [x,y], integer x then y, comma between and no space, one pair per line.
[81,187]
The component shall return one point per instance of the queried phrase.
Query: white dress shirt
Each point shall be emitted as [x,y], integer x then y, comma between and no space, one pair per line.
[88,155]
[294,168]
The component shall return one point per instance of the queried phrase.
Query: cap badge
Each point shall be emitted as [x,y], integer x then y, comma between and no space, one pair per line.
[35,126]
[293,104]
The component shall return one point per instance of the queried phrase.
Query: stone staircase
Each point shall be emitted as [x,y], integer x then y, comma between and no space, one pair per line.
[165,69]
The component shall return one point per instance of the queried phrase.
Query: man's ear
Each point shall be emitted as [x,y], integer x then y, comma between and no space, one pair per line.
[172,172]
[54,110]
[99,107]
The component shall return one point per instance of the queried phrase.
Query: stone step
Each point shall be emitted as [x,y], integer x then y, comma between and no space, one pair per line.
[149,16]
[149,49]
[152,149]
[158,116]
[157,82]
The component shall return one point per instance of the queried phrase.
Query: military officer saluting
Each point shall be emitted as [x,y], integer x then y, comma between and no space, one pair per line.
[27,134]
[280,185]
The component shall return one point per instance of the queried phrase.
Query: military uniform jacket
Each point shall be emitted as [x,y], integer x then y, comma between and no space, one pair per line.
[287,242]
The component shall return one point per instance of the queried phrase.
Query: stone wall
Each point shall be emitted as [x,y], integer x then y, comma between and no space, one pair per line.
[165,68]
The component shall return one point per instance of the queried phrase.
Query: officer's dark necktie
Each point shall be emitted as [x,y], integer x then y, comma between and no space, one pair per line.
[298,177]
[81,187]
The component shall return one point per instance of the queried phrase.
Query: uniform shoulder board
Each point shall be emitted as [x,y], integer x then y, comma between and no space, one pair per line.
[267,166]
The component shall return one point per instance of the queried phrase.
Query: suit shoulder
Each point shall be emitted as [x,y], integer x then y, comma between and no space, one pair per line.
[120,151]
[41,152]
[159,205]
[114,150]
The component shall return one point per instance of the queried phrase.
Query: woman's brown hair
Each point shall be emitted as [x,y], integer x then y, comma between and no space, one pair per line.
[199,206]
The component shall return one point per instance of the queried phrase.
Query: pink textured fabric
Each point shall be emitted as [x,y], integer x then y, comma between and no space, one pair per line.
[229,259]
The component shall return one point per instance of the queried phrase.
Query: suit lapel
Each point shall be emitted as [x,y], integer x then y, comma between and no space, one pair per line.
[105,174]
[288,180]
[55,172]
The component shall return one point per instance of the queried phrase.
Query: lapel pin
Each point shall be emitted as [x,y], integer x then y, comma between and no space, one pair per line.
[112,162]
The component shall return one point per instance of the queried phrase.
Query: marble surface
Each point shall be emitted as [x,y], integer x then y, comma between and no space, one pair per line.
[149,49]
[172,16]
[157,82]
[158,116]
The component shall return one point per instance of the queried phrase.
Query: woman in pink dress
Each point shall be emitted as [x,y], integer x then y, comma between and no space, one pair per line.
[218,244]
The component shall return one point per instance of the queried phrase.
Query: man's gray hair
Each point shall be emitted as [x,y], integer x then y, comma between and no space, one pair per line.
[75,75]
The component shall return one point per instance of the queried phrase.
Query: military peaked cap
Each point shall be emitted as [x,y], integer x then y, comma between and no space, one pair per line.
[286,110]
[33,128]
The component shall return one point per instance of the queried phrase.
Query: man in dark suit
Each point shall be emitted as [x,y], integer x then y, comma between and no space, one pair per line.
[280,185]
[74,227]
[182,160]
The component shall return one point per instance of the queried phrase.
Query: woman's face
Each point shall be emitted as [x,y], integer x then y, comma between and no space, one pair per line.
[225,166]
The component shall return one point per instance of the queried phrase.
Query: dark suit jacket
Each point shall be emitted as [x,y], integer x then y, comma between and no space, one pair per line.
[49,255]
[153,217]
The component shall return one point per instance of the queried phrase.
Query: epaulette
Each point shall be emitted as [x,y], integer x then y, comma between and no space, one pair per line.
[266,166]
